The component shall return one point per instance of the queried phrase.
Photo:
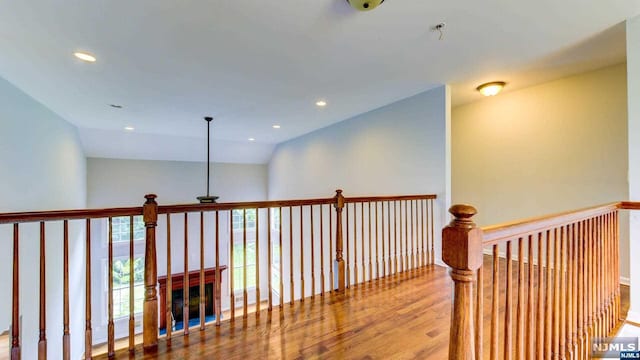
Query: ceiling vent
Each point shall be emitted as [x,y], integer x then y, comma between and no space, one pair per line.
[365,5]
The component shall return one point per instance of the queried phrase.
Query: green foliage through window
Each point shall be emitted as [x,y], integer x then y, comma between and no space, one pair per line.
[121,280]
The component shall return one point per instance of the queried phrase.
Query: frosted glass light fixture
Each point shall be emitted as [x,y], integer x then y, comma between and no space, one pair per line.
[491,88]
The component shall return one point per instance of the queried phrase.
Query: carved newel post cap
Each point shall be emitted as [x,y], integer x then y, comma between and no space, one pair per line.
[150,210]
[462,211]
[462,240]
[339,204]
[462,214]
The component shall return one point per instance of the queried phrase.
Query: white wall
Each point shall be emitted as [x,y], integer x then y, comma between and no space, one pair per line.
[113,182]
[397,149]
[43,168]
[633,84]
[401,148]
[548,148]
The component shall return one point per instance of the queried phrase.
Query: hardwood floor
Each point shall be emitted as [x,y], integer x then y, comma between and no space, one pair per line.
[404,316]
[399,317]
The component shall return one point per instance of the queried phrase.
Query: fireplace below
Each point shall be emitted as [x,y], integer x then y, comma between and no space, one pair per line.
[177,302]
[211,299]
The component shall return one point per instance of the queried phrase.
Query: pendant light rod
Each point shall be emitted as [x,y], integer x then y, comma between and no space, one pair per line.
[208,119]
[208,198]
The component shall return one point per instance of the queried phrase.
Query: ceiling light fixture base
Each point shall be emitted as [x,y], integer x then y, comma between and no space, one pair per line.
[207,199]
[365,5]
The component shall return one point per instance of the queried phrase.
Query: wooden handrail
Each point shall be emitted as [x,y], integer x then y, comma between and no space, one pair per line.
[186,208]
[388,198]
[82,214]
[496,233]
[630,205]
[60,215]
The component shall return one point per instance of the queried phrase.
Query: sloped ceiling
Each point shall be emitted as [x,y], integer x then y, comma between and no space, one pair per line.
[253,64]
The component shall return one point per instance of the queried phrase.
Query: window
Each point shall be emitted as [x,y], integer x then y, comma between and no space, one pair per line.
[275,268]
[275,219]
[121,280]
[122,277]
[238,219]
[275,251]
[238,265]
[120,227]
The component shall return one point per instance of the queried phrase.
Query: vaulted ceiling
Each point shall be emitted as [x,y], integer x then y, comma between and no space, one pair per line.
[253,64]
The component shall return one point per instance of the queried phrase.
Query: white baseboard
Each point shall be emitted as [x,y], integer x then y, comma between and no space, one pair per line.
[439,262]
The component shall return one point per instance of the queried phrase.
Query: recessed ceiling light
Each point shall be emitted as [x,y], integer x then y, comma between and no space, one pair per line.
[129,128]
[252,139]
[276,126]
[321,103]
[491,88]
[84,56]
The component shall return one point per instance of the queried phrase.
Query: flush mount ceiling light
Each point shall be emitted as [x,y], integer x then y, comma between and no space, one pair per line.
[129,128]
[251,139]
[364,5]
[491,88]
[276,126]
[321,103]
[84,56]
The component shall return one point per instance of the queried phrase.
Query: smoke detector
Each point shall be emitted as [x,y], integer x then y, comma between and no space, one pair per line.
[365,5]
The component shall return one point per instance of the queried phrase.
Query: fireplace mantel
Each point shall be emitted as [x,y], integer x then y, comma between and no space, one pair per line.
[177,283]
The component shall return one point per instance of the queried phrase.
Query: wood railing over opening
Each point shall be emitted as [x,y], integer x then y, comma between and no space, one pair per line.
[274,252]
[552,283]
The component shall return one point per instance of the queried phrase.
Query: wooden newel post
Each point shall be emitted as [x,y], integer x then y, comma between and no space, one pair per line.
[150,315]
[15,299]
[339,263]
[462,251]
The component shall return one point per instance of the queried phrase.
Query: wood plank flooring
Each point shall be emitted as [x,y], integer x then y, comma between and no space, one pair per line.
[404,316]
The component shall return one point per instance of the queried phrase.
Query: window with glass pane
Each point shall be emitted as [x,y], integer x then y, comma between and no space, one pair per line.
[275,219]
[122,277]
[121,226]
[275,268]
[238,265]
[238,219]
[275,251]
